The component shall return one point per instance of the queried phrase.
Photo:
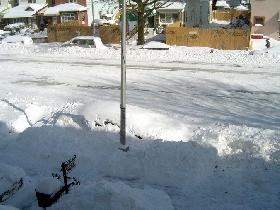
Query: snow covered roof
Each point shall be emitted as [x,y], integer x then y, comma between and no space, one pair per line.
[173,6]
[241,8]
[67,7]
[222,3]
[22,11]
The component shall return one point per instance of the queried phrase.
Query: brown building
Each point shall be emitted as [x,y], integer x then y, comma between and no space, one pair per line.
[265,17]
[67,10]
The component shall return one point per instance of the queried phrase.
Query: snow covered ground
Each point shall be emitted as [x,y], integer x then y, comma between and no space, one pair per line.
[209,124]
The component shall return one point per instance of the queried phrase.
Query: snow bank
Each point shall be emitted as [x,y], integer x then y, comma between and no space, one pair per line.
[246,142]
[4,32]
[143,122]
[184,55]
[156,45]
[18,39]
[259,44]
[105,195]
[28,117]
[7,208]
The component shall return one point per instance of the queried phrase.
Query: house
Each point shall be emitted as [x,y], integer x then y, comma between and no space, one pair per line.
[265,17]
[28,12]
[172,12]
[198,13]
[227,10]
[67,10]
[103,12]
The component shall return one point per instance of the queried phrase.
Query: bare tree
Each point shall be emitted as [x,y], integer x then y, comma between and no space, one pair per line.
[144,8]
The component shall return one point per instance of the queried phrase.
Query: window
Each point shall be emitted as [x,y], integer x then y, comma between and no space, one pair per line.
[168,17]
[31,1]
[66,17]
[70,1]
[75,41]
[259,20]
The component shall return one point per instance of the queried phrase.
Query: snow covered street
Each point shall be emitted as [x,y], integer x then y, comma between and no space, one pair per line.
[209,122]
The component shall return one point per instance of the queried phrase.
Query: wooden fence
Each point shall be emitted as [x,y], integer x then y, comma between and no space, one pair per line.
[62,33]
[226,39]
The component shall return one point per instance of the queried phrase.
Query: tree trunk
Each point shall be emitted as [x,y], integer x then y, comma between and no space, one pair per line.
[141,24]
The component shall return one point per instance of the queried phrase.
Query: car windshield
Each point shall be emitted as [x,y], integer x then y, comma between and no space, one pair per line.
[75,41]
[89,42]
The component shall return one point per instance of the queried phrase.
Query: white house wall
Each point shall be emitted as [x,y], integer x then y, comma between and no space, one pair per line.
[269,9]
[100,7]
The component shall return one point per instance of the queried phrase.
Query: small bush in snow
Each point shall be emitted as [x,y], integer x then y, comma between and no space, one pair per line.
[14,27]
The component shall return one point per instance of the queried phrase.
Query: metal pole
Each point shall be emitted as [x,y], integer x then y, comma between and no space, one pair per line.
[123,79]
[93,25]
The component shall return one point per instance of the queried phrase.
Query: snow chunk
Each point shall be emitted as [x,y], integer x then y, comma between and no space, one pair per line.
[30,116]
[246,141]
[49,186]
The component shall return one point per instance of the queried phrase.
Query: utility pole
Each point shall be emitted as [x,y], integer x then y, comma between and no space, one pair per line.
[124,147]
[93,25]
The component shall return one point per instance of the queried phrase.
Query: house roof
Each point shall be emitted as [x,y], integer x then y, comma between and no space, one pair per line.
[222,3]
[173,6]
[241,8]
[67,7]
[24,11]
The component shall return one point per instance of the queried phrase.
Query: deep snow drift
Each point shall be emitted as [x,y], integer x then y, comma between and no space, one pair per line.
[209,130]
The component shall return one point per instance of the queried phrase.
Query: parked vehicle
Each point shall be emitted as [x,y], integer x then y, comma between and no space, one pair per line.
[85,41]
[26,40]
[4,34]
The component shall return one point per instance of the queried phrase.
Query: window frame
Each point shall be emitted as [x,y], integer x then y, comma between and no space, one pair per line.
[70,1]
[255,21]
[67,17]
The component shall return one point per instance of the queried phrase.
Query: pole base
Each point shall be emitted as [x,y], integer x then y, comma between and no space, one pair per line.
[124,148]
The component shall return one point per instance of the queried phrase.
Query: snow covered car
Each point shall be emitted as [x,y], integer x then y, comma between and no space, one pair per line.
[26,40]
[85,41]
